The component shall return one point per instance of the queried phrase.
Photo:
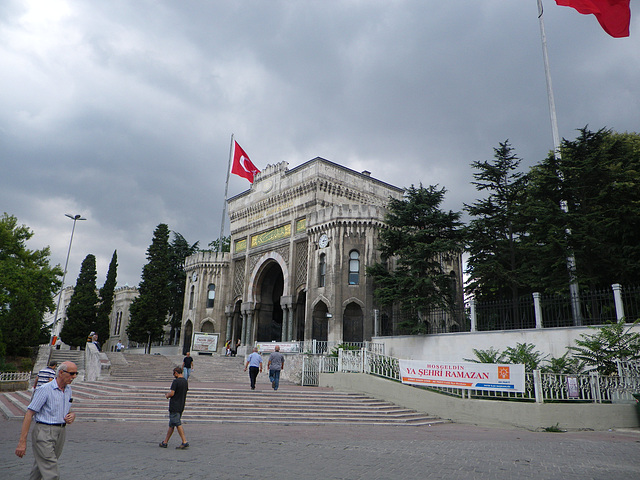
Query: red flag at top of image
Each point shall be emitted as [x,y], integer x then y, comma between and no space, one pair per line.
[613,15]
[242,166]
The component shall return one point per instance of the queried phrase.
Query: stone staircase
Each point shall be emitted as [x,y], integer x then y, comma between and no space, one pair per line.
[218,393]
[109,401]
[75,356]
[132,369]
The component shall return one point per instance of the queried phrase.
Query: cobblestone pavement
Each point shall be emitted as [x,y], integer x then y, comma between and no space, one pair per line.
[114,450]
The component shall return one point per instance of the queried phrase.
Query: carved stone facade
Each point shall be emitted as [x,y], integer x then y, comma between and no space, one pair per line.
[301,240]
[118,319]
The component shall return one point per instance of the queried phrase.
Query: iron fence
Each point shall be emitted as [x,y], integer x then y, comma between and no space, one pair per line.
[539,387]
[436,320]
[631,302]
[506,314]
[597,307]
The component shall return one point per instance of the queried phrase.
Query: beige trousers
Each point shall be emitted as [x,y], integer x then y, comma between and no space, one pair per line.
[47,442]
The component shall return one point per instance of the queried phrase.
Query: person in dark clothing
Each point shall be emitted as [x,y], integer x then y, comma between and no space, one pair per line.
[187,366]
[177,396]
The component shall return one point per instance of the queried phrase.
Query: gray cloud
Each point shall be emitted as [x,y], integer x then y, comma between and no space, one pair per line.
[122,111]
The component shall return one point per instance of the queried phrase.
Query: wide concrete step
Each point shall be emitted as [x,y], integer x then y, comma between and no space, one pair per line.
[107,401]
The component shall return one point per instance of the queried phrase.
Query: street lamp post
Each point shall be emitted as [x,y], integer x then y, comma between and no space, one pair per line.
[75,218]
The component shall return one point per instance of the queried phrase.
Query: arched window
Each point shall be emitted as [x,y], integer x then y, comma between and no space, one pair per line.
[211,295]
[322,269]
[354,267]
[116,330]
[191,298]
[453,286]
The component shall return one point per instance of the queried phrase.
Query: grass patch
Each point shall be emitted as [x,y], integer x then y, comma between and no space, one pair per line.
[554,429]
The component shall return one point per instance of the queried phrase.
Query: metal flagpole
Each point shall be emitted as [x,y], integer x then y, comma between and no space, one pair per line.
[571,260]
[226,189]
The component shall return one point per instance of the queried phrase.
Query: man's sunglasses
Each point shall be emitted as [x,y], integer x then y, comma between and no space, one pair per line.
[70,373]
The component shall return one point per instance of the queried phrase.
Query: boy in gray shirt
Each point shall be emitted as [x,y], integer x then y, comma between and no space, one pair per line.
[275,366]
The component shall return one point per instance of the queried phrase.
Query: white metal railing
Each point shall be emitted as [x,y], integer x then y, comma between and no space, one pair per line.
[15,376]
[539,387]
[313,365]
[629,368]
[321,347]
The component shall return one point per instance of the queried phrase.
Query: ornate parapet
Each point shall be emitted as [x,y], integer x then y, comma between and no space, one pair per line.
[207,259]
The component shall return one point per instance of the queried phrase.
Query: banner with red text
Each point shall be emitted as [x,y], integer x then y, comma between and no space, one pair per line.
[470,376]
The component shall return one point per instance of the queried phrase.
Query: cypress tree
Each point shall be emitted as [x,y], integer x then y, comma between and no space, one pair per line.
[83,306]
[106,301]
[150,309]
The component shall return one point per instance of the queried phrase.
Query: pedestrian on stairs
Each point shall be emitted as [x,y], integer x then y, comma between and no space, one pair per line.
[275,366]
[177,396]
[254,362]
[46,374]
[187,366]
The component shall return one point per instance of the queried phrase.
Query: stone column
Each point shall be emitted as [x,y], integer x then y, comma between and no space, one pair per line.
[474,318]
[228,311]
[617,296]
[285,323]
[287,318]
[290,329]
[243,334]
[537,307]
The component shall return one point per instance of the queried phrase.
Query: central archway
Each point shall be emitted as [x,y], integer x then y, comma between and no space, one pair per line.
[269,316]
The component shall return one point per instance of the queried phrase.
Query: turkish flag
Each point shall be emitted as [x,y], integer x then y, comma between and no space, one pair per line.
[242,166]
[613,15]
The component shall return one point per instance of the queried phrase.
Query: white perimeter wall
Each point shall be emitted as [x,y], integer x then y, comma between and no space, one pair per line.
[455,347]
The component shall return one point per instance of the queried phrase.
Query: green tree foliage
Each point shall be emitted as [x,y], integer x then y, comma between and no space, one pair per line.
[493,234]
[106,300]
[179,250]
[490,355]
[598,176]
[150,309]
[221,245]
[524,353]
[27,285]
[611,342]
[418,238]
[82,311]
[566,364]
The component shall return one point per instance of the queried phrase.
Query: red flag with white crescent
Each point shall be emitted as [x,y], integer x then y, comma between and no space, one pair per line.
[242,166]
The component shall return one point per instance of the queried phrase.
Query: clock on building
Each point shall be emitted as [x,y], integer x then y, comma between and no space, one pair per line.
[323,241]
[194,277]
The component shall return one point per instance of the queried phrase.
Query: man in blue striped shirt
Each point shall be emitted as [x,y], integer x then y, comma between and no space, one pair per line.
[50,408]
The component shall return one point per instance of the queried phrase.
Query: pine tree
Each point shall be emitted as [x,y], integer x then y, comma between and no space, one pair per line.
[106,301]
[222,244]
[83,306]
[598,176]
[418,238]
[493,234]
[150,309]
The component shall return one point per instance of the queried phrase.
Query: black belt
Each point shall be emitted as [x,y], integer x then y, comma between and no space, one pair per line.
[53,424]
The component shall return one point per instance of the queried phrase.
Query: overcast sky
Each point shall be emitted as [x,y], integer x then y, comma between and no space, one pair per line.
[122,111]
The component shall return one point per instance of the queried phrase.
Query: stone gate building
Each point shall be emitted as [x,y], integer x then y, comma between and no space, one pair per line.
[301,240]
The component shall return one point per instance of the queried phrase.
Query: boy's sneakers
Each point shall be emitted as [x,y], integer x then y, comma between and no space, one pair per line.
[182,446]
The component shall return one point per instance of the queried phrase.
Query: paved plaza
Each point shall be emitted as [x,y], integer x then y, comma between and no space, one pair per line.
[119,450]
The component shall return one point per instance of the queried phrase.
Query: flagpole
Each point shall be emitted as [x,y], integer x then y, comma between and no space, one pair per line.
[226,190]
[571,259]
